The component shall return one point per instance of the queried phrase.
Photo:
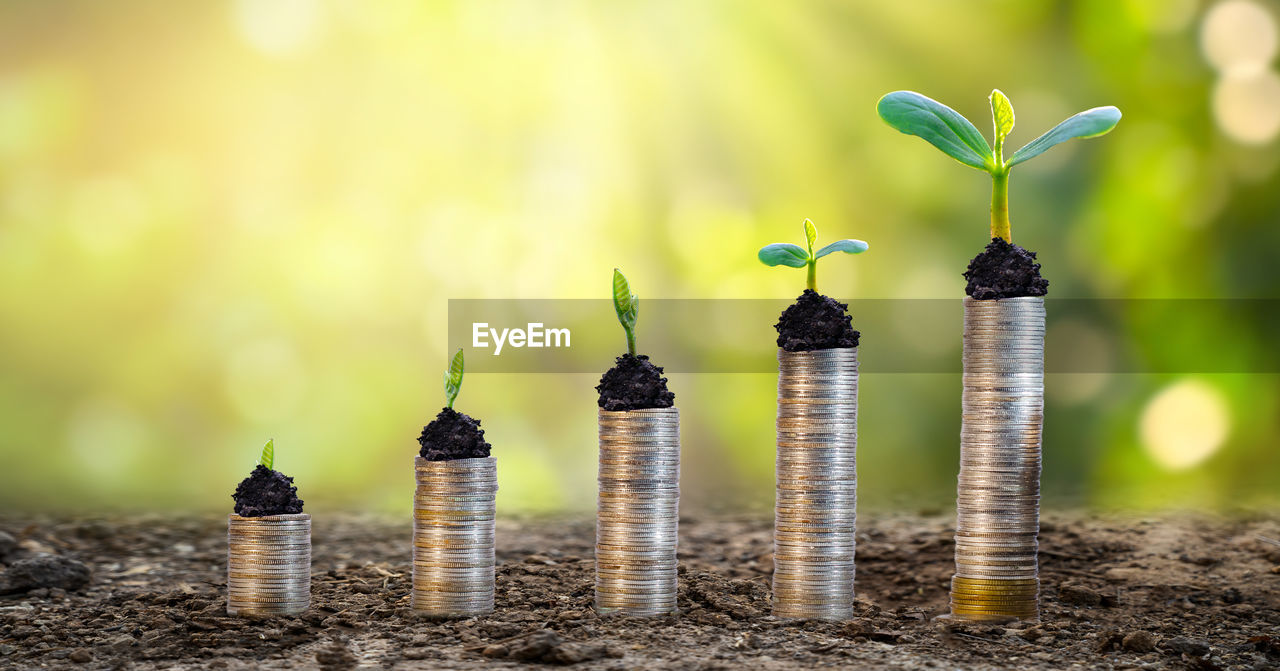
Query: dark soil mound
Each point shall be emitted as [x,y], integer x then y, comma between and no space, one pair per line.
[453,435]
[814,322]
[1004,270]
[266,492]
[634,384]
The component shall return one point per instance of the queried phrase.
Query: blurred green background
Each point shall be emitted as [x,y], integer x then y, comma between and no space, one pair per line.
[227,221]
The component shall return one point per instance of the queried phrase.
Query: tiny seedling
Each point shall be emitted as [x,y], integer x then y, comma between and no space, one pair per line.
[795,256]
[950,132]
[453,379]
[268,457]
[627,305]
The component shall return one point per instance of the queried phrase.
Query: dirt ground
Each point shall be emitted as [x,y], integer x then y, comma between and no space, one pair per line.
[1179,593]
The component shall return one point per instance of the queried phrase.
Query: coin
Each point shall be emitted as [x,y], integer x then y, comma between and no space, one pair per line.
[816,484]
[998,487]
[453,537]
[637,511]
[268,564]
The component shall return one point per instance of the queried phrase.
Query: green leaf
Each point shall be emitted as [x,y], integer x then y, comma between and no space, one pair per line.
[810,234]
[625,303]
[847,246]
[1089,123]
[939,125]
[268,457]
[783,254]
[1001,115]
[453,379]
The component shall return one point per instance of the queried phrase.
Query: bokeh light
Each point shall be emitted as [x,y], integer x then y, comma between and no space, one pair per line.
[1184,424]
[1248,107]
[1239,37]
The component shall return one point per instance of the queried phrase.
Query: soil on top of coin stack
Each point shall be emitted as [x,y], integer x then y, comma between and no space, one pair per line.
[815,322]
[634,383]
[1004,270]
[453,435]
[266,492]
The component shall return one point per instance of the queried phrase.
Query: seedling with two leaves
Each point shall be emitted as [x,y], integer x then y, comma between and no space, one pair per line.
[950,132]
[795,256]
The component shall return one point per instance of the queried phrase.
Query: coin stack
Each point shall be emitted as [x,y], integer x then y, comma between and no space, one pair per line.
[453,514]
[815,511]
[268,564]
[998,502]
[637,512]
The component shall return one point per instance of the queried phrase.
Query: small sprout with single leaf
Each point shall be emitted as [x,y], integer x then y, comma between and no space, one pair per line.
[946,129]
[795,256]
[627,307]
[452,434]
[267,491]
[634,383]
[453,379]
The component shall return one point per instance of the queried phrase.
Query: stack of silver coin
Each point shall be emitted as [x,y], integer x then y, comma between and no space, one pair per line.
[268,564]
[638,510]
[453,545]
[817,483]
[998,502]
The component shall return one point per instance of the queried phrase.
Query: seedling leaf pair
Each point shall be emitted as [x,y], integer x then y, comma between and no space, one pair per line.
[453,379]
[795,256]
[946,129]
[627,307]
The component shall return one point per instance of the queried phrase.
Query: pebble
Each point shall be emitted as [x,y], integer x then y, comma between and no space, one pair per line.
[1079,595]
[43,572]
[1182,645]
[80,656]
[7,545]
[1139,641]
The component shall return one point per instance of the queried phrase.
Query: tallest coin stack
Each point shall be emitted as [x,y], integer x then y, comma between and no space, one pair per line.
[998,502]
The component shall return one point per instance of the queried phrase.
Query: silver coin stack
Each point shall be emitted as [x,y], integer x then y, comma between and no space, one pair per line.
[817,483]
[637,511]
[268,564]
[453,546]
[998,501]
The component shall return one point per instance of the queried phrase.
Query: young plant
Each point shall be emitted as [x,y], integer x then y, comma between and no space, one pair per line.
[795,256]
[453,379]
[627,305]
[947,130]
[268,454]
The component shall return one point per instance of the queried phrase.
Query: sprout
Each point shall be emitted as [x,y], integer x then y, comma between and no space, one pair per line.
[453,379]
[795,256]
[947,130]
[627,305]
[268,457]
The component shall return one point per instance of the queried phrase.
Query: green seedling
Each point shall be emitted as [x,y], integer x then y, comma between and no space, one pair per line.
[947,130]
[627,305]
[268,457]
[453,379]
[795,256]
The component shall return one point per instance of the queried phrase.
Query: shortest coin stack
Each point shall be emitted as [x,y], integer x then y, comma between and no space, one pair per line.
[453,544]
[637,515]
[268,564]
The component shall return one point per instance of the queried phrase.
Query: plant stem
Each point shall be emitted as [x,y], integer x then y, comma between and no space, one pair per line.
[631,341]
[1000,205]
[812,282]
